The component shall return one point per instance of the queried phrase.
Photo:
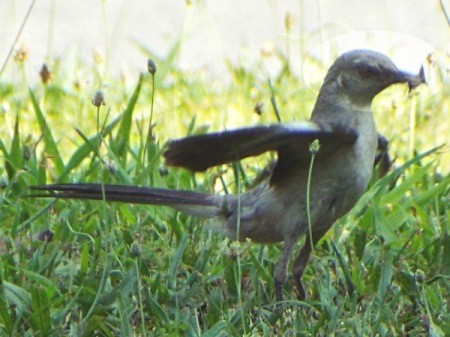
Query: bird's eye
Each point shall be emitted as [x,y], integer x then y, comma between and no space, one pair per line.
[365,70]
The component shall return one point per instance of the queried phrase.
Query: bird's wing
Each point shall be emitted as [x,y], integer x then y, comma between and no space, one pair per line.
[291,141]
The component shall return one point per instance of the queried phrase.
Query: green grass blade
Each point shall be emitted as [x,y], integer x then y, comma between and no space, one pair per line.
[398,193]
[124,177]
[262,271]
[446,254]
[40,318]
[432,192]
[85,149]
[123,134]
[345,268]
[6,319]
[155,308]
[51,148]
[387,271]
[17,296]
[176,259]
[216,330]
[13,157]
[389,178]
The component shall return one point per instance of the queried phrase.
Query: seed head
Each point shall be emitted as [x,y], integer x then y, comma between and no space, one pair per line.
[99,99]
[314,147]
[45,74]
[21,54]
[151,66]
[258,109]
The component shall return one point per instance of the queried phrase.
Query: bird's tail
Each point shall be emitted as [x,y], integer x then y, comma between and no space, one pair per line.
[192,203]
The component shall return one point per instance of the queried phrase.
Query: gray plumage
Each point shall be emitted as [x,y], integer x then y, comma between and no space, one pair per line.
[276,210]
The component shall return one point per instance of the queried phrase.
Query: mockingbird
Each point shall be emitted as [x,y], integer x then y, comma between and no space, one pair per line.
[276,209]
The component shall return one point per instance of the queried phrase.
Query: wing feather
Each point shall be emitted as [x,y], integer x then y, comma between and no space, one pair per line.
[201,152]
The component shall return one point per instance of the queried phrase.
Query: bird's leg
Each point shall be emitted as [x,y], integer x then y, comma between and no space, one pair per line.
[280,267]
[302,260]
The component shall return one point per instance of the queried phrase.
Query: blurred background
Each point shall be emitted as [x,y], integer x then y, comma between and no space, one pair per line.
[211,32]
[228,46]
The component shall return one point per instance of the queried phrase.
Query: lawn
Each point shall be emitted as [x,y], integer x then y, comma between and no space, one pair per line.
[85,268]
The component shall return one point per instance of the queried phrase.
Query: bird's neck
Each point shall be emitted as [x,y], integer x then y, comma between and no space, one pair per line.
[338,109]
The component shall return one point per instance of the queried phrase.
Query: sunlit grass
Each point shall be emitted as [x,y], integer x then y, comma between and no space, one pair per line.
[113,269]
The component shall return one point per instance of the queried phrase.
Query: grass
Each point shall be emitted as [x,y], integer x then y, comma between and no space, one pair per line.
[124,270]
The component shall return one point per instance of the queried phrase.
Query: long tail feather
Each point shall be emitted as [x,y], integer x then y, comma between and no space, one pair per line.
[198,204]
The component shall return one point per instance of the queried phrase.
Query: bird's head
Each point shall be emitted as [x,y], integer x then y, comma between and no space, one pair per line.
[358,76]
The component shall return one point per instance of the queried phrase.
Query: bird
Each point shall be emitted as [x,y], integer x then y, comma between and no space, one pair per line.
[295,199]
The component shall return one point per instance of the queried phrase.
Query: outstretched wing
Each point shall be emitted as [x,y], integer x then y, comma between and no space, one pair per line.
[291,141]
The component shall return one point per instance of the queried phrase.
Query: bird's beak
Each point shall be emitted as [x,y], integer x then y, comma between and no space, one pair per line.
[412,79]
